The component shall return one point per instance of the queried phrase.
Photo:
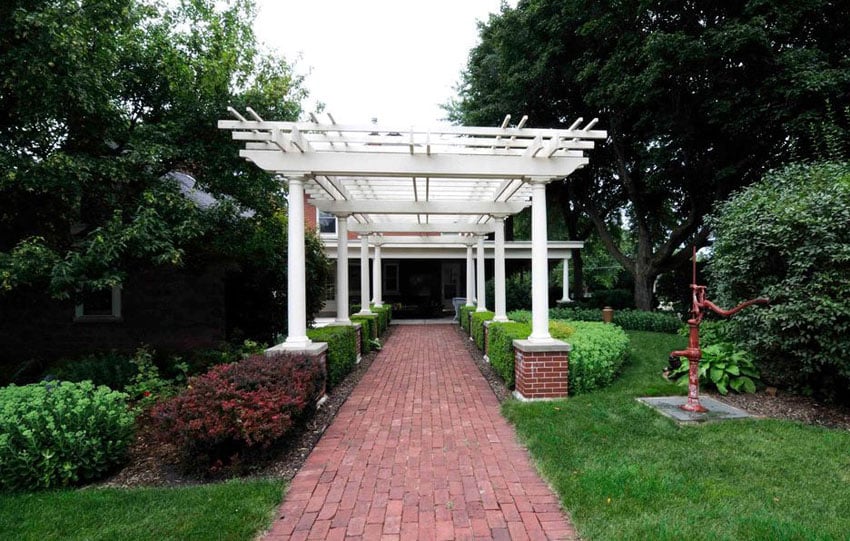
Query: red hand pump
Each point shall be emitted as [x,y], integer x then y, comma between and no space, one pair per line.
[693,353]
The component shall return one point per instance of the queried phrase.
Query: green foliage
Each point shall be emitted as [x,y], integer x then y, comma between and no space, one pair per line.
[147,386]
[517,291]
[785,238]
[384,313]
[500,347]
[598,353]
[722,366]
[634,320]
[686,124]
[60,433]
[369,330]
[478,319]
[113,369]
[342,349]
[464,312]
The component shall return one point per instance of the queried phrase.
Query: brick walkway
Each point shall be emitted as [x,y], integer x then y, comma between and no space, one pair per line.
[420,451]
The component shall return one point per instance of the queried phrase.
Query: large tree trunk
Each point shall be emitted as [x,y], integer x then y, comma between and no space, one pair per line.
[644,280]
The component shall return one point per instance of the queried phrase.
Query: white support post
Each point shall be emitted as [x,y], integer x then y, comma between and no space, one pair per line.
[342,270]
[296,273]
[499,271]
[482,294]
[376,276]
[566,286]
[470,277]
[539,264]
[364,276]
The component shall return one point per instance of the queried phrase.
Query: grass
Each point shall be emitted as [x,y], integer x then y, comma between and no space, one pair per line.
[235,510]
[625,472]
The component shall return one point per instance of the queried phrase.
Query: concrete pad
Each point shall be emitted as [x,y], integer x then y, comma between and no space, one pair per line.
[717,410]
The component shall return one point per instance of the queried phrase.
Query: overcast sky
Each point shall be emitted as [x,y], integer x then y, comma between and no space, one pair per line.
[395,60]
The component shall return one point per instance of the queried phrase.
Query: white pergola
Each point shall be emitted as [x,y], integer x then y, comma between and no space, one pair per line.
[457,182]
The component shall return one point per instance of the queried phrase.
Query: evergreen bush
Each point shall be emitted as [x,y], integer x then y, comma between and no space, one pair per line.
[342,349]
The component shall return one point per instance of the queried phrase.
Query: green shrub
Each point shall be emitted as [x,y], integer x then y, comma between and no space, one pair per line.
[478,319]
[465,310]
[598,350]
[786,238]
[61,433]
[342,349]
[113,369]
[723,366]
[383,313]
[632,320]
[618,299]
[598,353]
[369,330]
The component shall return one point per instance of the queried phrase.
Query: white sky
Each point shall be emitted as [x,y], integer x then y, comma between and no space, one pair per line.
[395,60]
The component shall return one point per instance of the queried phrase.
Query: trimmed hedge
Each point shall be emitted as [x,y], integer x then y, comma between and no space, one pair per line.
[61,433]
[384,313]
[236,408]
[464,316]
[370,330]
[598,350]
[478,319]
[632,320]
[342,349]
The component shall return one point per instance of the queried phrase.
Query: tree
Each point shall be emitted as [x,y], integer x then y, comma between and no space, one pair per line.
[99,101]
[786,237]
[699,99]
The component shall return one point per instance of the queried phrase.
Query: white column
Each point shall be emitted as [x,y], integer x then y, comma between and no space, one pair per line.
[539,264]
[378,280]
[482,294]
[470,276]
[499,271]
[566,285]
[296,265]
[364,275]
[342,270]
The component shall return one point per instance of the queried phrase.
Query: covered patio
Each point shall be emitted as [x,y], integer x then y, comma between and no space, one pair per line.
[391,185]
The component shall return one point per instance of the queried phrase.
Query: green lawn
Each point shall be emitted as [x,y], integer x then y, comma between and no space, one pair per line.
[225,511]
[625,472]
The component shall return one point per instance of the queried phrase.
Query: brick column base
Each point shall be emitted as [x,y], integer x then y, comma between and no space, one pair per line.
[358,330]
[486,340]
[541,369]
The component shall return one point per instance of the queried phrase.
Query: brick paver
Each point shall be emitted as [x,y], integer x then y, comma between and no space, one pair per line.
[420,451]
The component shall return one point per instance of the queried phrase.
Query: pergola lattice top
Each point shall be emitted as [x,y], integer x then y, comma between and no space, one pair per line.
[391,178]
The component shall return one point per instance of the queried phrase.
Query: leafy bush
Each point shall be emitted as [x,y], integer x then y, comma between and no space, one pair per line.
[500,347]
[113,369]
[722,366]
[465,310]
[60,433]
[517,291]
[369,330]
[786,237]
[383,313]
[238,407]
[618,299]
[342,349]
[632,320]
[478,319]
[598,353]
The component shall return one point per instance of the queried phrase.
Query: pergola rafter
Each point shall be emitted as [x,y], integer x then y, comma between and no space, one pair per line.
[460,182]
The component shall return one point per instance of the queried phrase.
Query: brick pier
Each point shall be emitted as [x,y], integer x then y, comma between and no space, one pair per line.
[420,451]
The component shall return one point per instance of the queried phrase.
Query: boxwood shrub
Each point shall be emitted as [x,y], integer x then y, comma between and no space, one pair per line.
[61,433]
[464,317]
[236,408]
[384,311]
[369,330]
[598,350]
[478,319]
[632,320]
[342,349]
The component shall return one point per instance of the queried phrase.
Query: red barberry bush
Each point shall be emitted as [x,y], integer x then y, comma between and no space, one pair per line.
[238,407]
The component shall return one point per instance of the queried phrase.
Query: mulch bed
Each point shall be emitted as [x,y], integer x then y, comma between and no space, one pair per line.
[152,463]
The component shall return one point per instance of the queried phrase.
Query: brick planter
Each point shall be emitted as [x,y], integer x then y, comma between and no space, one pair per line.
[358,330]
[541,370]
[486,340]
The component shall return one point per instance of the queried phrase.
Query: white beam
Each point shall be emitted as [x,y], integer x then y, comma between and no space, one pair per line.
[419,207]
[482,294]
[415,165]
[296,273]
[454,227]
[364,276]
[342,271]
[499,271]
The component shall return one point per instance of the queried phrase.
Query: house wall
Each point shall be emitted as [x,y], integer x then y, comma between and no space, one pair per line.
[169,310]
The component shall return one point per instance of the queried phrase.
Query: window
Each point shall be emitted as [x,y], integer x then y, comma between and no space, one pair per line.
[390,276]
[103,305]
[327,223]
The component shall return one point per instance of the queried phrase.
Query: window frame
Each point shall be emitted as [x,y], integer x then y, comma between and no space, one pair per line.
[80,315]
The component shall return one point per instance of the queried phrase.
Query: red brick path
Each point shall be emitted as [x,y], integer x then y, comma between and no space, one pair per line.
[420,451]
